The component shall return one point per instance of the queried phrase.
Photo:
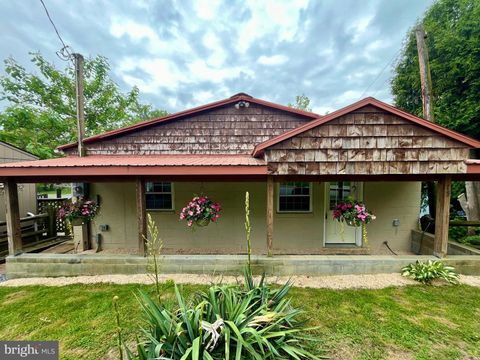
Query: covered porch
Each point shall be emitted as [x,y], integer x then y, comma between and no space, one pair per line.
[281,241]
[290,215]
[306,242]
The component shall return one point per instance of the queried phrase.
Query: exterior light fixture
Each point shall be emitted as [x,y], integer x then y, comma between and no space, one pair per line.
[242,104]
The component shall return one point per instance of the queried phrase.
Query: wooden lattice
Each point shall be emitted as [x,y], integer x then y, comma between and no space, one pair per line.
[51,207]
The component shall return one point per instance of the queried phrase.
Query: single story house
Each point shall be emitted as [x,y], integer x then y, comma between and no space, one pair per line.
[296,166]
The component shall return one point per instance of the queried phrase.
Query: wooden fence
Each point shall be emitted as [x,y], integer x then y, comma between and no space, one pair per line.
[36,230]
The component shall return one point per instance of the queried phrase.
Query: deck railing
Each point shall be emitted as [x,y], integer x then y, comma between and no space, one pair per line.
[36,231]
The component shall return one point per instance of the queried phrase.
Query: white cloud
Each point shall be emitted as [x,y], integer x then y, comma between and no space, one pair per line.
[139,32]
[272,60]
[166,74]
[218,55]
[270,17]
[206,9]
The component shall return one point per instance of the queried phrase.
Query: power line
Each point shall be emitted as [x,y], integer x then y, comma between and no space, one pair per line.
[64,53]
[381,72]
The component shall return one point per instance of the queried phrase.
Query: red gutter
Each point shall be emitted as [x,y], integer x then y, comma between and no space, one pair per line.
[367,101]
[233,99]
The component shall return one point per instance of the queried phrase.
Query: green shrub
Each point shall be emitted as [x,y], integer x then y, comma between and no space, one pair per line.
[250,321]
[471,240]
[457,233]
[426,272]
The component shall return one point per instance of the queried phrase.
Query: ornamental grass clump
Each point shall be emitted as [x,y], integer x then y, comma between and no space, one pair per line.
[200,211]
[250,321]
[426,272]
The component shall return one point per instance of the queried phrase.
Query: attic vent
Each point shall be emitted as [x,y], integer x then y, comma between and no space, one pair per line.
[239,95]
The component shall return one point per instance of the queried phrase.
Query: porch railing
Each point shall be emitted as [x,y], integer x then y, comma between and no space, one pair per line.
[36,231]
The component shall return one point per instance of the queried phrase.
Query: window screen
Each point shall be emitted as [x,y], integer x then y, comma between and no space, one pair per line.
[159,195]
[339,191]
[294,197]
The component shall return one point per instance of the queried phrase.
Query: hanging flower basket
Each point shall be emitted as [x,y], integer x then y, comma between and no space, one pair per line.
[79,212]
[200,211]
[354,213]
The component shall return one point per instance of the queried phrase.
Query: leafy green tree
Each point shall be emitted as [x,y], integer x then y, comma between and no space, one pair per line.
[453,42]
[302,102]
[41,110]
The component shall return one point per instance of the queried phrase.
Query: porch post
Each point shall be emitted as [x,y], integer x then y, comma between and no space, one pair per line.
[141,214]
[14,233]
[270,195]
[442,215]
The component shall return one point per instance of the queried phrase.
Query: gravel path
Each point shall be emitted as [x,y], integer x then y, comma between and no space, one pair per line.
[376,281]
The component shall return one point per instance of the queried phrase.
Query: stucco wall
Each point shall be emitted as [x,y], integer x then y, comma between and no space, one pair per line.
[293,233]
[389,201]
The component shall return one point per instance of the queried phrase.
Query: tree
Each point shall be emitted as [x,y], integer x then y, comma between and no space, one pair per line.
[41,110]
[453,42]
[302,102]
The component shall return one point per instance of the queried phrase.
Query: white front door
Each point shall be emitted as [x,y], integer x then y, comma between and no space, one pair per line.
[336,232]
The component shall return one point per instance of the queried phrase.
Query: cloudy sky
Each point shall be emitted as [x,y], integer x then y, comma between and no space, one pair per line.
[188,52]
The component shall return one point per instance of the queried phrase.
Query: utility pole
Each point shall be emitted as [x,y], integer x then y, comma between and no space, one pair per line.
[425,77]
[78,59]
[427,103]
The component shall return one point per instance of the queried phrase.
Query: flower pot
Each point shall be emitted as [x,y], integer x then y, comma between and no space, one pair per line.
[203,222]
[77,221]
[352,223]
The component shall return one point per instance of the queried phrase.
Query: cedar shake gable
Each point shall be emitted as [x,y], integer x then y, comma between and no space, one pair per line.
[217,128]
[368,137]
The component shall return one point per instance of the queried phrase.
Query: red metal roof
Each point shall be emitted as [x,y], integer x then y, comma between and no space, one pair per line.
[178,115]
[138,165]
[355,106]
[473,166]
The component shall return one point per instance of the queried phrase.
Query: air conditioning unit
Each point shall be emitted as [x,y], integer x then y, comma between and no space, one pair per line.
[80,189]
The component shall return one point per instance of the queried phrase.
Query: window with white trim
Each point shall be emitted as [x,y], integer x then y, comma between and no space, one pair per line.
[159,195]
[295,197]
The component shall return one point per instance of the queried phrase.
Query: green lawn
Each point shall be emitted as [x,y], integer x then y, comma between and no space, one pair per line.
[414,322]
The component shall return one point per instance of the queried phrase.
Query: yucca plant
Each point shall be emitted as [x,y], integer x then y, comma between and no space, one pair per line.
[426,272]
[251,321]
[154,247]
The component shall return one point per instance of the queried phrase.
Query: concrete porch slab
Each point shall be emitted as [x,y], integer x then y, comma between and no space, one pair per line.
[45,265]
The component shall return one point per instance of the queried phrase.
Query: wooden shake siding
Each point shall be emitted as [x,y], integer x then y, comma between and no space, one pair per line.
[225,130]
[367,141]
